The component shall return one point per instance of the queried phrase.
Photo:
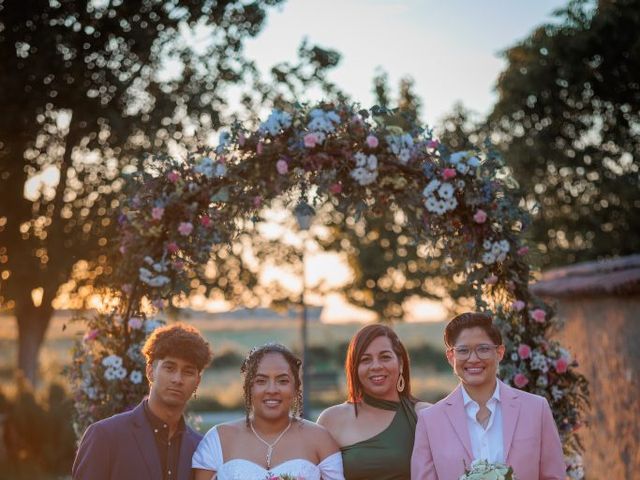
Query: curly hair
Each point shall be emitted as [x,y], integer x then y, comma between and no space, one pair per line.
[471,320]
[178,340]
[357,346]
[249,369]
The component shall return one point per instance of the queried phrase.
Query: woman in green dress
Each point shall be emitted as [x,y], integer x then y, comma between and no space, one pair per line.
[375,427]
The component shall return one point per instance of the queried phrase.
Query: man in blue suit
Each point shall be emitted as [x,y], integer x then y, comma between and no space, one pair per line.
[152,441]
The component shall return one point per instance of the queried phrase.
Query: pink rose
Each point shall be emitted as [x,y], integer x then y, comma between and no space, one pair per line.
[135,323]
[91,335]
[448,173]
[205,221]
[372,141]
[524,351]
[335,188]
[157,213]
[172,247]
[260,148]
[561,365]
[480,216]
[310,140]
[539,315]
[185,228]
[520,380]
[491,280]
[433,144]
[282,166]
[518,305]
[173,176]
[523,251]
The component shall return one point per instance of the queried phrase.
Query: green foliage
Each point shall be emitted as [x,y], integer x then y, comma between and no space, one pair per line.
[567,121]
[38,434]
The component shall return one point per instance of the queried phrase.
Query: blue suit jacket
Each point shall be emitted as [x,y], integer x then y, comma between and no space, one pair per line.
[122,447]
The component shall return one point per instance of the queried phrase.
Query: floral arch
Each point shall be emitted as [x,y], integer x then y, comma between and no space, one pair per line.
[462,201]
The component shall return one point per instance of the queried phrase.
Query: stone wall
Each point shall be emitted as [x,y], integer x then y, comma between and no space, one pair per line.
[603,333]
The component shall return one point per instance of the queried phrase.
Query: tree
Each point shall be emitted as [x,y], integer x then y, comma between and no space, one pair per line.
[567,120]
[92,88]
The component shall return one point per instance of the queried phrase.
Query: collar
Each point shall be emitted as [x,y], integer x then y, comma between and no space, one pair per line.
[158,424]
[466,399]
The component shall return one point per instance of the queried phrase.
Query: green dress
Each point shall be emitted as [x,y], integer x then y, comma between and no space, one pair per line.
[387,455]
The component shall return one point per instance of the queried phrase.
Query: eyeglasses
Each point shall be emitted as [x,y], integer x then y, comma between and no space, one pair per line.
[483,351]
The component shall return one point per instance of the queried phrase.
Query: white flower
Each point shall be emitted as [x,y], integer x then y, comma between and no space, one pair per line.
[460,184]
[504,245]
[109,374]
[135,377]
[539,362]
[323,121]
[210,169]
[462,168]
[366,171]
[404,156]
[451,203]
[456,157]
[277,121]
[446,191]
[556,393]
[473,162]
[431,204]
[401,146]
[112,361]
[431,187]
[152,280]
[542,381]
[486,245]
[488,258]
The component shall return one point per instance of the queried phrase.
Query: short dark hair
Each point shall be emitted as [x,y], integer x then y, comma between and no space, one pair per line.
[249,369]
[357,346]
[178,340]
[471,320]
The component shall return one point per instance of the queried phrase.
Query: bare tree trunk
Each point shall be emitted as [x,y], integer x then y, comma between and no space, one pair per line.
[32,326]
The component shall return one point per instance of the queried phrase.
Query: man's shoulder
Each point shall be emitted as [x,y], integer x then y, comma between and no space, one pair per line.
[114,423]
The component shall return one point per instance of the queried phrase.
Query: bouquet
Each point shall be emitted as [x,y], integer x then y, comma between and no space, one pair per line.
[483,470]
[285,476]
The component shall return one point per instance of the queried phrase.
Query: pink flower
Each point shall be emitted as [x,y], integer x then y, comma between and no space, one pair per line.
[310,140]
[491,280]
[257,201]
[523,251]
[185,228]
[561,365]
[135,323]
[173,176]
[178,265]
[335,188]
[241,139]
[480,216]
[518,305]
[433,144]
[539,315]
[157,213]
[205,221]
[122,249]
[372,141]
[282,166]
[524,351]
[520,380]
[448,173]
[172,247]
[91,335]
[260,148]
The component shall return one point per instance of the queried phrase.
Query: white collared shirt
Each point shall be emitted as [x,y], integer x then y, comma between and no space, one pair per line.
[486,444]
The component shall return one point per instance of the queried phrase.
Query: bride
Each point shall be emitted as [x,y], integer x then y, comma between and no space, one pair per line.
[270,442]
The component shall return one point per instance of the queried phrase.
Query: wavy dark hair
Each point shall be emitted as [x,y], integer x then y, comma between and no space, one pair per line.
[249,369]
[178,340]
[357,346]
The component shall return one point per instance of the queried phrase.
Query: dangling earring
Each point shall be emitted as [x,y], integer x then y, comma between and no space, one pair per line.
[400,383]
[195,394]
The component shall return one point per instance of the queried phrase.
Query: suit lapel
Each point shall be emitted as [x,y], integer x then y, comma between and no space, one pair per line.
[458,418]
[510,414]
[146,442]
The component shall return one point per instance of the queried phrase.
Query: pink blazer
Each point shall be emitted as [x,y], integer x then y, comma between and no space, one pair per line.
[532,445]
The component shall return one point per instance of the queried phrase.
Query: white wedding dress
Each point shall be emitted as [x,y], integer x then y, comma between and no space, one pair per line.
[208,456]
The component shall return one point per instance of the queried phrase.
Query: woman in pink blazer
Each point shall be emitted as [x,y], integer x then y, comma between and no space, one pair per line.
[483,418]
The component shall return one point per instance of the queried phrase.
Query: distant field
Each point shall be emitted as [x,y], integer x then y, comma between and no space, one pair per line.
[238,336]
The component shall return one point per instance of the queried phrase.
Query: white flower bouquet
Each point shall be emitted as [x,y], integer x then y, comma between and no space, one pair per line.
[483,470]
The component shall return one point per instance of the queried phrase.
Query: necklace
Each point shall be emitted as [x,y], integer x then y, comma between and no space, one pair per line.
[270,445]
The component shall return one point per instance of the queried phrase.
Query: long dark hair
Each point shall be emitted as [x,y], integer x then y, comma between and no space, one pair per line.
[357,346]
[249,369]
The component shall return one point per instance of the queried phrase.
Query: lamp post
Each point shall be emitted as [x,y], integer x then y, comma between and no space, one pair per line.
[304,215]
